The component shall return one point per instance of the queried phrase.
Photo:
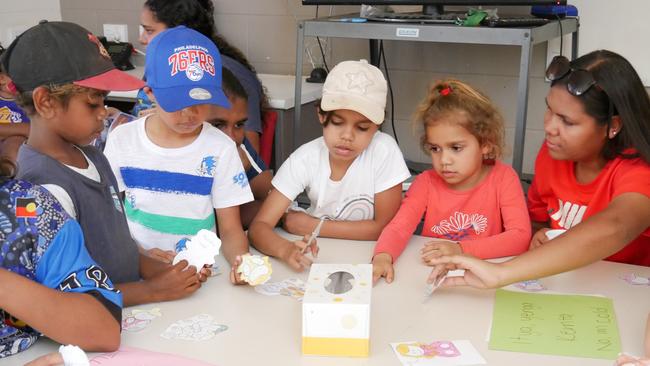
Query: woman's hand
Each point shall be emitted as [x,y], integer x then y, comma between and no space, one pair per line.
[478,273]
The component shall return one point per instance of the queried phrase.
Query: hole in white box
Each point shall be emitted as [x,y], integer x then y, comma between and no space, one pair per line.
[339,282]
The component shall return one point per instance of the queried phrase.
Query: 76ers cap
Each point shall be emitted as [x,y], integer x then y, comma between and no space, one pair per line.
[57,53]
[183,68]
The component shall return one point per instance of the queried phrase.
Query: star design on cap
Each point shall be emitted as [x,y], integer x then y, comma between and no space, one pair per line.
[102,51]
[358,80]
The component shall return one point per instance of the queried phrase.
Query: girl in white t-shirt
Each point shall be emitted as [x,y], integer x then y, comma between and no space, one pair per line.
[352,175]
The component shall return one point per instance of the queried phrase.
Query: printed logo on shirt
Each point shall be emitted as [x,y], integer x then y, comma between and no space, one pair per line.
[9,116]
[208,166]
[568,214]
[193,60]
[357,208]
[116,200]
[240,179]
[26,207]
[460,225]
[13,321]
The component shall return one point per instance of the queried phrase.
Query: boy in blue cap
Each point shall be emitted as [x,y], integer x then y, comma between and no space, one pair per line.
[174,168]
[62,74]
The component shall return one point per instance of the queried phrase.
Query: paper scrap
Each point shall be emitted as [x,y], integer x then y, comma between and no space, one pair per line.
[197,328]
[530,286]
[437,353]
[633,279]
[255,269]
[431,287]
[137,319]
[292,287]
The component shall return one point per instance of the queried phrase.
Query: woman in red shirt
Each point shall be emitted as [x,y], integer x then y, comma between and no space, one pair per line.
[592,176]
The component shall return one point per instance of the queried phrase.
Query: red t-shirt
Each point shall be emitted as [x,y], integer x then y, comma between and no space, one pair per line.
[489,220]
[556,197]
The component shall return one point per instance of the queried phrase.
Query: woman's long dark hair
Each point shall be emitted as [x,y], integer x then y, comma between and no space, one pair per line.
[619,91]
[199,15]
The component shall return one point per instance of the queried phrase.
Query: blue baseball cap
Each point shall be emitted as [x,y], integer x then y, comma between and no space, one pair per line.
[183,68]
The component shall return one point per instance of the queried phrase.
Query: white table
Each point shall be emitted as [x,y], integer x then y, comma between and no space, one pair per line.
[267,330]
[280,91]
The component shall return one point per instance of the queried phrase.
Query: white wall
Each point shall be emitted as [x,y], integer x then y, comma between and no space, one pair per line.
[17,16]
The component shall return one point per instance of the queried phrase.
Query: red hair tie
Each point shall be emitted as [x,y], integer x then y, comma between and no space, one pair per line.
[446,91]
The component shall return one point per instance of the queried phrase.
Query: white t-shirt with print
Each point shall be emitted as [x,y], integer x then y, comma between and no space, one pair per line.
[171,193]
[379,167]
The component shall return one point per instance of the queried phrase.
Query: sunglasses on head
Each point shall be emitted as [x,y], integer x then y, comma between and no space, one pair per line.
[579,80]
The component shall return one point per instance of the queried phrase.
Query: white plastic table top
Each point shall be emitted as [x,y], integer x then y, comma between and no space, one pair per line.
[267,330]
[280,89]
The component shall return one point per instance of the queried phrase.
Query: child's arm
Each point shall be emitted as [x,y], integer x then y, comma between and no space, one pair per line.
[267,241]
[66,317]
[161,282]
[598,237]
[386,205]
[14,129]
[396,234]
[233,238]
[261,185]
[515,237]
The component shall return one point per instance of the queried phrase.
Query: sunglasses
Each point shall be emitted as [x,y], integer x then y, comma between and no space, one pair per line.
[579,80]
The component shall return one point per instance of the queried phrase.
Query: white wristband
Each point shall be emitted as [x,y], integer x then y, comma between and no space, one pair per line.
[73,356]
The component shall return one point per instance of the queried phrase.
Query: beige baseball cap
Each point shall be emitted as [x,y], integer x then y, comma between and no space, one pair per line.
[357,86]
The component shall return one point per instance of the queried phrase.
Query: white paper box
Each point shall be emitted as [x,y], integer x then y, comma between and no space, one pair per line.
[336,310]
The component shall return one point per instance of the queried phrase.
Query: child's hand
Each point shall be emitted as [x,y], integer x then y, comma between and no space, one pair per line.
[235,277]
[299,222]
[165,256]
[539,238]
[627,360]
[382,266]
[176,282]
[439,247]
[293,254]
[204,273]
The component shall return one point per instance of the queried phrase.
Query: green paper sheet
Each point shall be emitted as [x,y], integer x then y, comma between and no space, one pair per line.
[567,325]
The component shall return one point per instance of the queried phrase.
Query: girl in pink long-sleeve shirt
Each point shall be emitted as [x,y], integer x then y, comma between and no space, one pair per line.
[471,202]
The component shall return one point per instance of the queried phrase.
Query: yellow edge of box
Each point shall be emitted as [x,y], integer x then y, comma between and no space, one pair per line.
[353,347]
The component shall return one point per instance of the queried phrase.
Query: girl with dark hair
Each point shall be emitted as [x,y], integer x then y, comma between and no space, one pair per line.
[592,176]
[158,15]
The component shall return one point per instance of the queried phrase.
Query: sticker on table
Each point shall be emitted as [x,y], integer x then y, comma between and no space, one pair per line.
[197,328]
[437,353]
[530,286]
[139,319]
[633,279]
[292,287]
